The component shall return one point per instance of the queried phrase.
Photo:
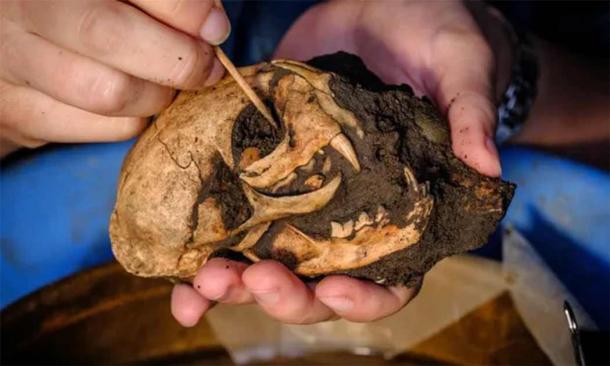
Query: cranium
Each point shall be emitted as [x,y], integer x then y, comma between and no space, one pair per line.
[195,185]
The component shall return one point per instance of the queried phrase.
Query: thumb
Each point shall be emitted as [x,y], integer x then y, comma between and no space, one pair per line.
[464,89]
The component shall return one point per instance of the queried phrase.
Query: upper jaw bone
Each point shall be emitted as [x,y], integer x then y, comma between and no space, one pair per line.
[308,129]
[267,208]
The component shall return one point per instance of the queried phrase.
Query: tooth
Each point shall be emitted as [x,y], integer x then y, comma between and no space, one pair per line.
[315,181]
[320,152]
[336,229]
[345,148]
[326,166]
[380,282]
[284,182]
[341,231]
[411,181]
[309,166]
[381,216]
[348,227]
[363,220]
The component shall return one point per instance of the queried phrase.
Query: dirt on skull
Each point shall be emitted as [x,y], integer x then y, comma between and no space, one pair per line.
[402,201]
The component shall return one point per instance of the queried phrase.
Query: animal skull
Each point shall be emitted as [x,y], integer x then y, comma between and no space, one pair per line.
[172,213]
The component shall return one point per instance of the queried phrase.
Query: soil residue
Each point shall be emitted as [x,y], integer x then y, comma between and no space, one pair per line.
[251,129]
[225,188]
[400,130]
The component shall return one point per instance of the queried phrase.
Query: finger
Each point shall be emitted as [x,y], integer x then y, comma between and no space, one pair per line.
[282,295]
[121,36]
[187,306]
[31,118]
[464,88]
[199,18]
[220,280]
[361,301]
[29,60]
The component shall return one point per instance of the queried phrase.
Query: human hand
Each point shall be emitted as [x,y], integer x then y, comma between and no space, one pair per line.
[437,48]
[283,296]
[85,71]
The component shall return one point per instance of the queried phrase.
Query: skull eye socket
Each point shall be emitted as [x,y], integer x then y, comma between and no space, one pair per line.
[253,132]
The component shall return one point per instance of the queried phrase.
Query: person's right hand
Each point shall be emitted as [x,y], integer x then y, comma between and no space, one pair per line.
[88,70]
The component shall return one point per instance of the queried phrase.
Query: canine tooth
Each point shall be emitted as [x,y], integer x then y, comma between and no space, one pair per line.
[380,282]
[410,178]
[315,181]
[337,230]
[284,182]
[320,152]
[363,220]
[309,166]
[344,147]
[326,166]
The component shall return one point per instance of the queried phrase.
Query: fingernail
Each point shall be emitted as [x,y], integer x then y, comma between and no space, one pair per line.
[216,73]
[338,303]
[267,297]
[216,28]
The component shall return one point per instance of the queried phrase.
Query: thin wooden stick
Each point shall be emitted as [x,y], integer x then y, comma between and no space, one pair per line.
[250,93]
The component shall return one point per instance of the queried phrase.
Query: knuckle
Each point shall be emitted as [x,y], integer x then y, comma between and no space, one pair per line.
[109,93]
[102,27]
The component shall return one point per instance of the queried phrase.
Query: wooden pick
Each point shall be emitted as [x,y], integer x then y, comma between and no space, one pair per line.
[250,93]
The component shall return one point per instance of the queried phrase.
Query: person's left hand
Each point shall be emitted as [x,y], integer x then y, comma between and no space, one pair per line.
[438,49]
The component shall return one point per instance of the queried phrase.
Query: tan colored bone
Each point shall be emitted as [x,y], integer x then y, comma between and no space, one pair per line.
[326,166]
[305,139]
[249,156]
[315,257]
[151,227]
[308,168]
[267,208]
[314,182]
[252,237]
[320,81]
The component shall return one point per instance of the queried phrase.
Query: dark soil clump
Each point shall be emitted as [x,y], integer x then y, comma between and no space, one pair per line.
[400,130]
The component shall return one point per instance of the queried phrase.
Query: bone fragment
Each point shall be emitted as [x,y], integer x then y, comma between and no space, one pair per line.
[344,147]
[315,181]
[249,156]
[326,165]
